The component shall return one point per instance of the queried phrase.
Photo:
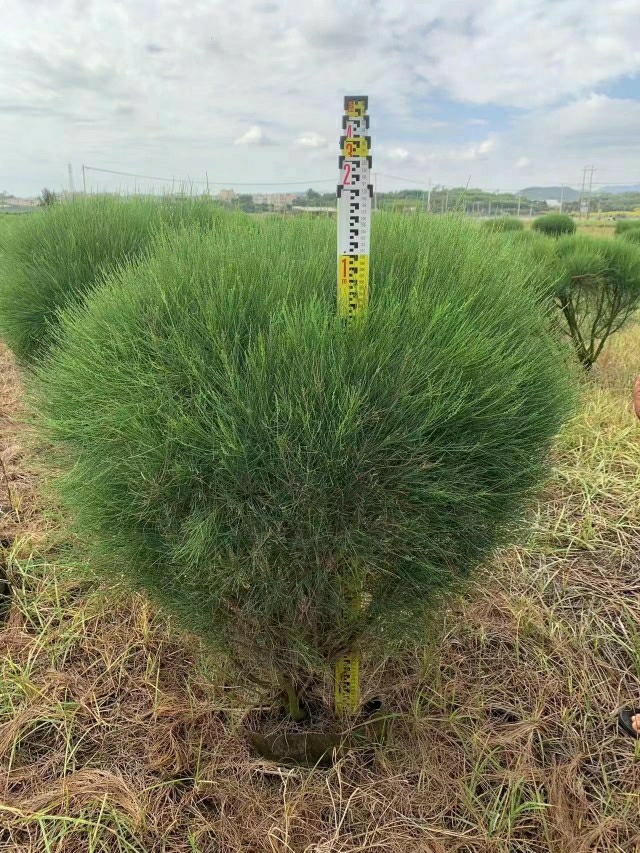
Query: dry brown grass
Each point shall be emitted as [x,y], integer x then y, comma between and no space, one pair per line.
[117,733]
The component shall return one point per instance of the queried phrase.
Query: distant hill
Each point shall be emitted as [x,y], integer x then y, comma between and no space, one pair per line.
[630,188]
[544,193]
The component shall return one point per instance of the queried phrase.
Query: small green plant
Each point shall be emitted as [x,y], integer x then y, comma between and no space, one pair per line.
[55,256]
[597,287]
[503,223]
[624,225]
[238,452]
[554,224]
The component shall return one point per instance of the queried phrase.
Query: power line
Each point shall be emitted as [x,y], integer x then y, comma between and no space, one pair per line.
[213,183]
[406,180]
[231,183]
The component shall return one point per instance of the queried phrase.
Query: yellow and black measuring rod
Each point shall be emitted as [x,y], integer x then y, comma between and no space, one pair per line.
[355,194]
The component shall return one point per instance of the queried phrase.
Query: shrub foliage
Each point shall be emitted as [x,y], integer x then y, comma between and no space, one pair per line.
[503,223]
[554,224]
[597,288]
[235,450]
[55,256]
[624,225]
[631,235]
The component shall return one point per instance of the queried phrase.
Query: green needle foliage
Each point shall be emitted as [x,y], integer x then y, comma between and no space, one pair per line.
[597,289]
[554,224]
[55,256]
[252,462]
[503,223]
[624,225]
[631,235]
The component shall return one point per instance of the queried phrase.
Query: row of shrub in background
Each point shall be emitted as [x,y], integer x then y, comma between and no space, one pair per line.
[552,224]
[225,442]
[558,224]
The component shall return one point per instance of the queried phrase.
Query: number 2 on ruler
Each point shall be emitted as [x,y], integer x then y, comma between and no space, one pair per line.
[346,172]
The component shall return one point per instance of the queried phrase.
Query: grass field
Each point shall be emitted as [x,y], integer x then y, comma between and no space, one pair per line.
[119,734]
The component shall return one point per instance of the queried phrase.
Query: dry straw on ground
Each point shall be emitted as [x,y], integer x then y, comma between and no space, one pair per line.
[118,734]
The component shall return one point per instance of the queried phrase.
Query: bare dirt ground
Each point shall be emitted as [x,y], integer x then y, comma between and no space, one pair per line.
[119,733]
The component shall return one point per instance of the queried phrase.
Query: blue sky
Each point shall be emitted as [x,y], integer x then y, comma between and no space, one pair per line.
[504,93]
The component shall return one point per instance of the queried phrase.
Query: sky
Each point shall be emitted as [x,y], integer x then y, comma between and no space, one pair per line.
[500,94]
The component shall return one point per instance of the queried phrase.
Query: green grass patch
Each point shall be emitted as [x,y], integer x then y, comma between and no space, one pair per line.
[622,226]
[630,235]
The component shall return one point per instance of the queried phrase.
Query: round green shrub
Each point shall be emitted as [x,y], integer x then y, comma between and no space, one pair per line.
[503,223]
[624,225]
[630,235]
[597,287]
[554,224]
[55,256]
[252,462]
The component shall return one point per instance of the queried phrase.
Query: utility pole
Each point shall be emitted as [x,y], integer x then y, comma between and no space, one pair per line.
[590,188]
[585,193]
[71,187]
[429,198]
[561,197]
[519,200]
[206,175]
[84,179]
[446,202]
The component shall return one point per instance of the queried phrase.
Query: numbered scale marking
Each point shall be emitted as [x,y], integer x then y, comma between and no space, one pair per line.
[347,680]
[355,193]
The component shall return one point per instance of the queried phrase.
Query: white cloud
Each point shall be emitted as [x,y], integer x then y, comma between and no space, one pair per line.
[254,136]
[311,139]
[479,150]
[595,121]
[165,87]
[534,52]
[399,155]
[523,163]
[486,146]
